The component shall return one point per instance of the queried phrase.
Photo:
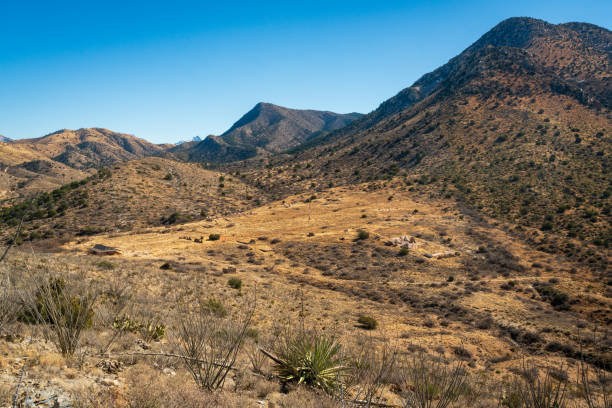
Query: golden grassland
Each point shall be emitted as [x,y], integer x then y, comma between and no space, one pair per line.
[302,260]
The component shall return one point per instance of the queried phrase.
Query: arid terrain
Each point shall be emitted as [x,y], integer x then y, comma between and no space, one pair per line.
[449,249]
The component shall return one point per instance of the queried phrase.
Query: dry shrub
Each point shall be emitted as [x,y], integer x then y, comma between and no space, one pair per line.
[6,394]
[594,386]
[61,303]
[8,303]
[428,382]
[260,362]
[529,389]
[147,387]
[369,370]
[209,342]
[303,397]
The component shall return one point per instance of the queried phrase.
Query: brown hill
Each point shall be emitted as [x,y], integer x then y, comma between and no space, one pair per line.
[134,194]
[42,164]
[263,130]
[508,127]
[87,148]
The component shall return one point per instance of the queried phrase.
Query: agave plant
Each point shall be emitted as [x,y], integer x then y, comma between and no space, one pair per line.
[313,360]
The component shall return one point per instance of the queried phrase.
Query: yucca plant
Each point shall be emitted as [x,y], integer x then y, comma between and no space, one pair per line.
[309,359]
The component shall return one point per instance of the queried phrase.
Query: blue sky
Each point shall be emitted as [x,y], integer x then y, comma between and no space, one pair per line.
[171,70]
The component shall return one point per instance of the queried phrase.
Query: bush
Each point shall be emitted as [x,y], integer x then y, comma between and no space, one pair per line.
[209,343]
[105,265]
[557,298]
[403,252]
[235,283]
[65,311]
[362,235]
[529,389]
[175,218]
[150,330]
[214,237]
[429,382]
[367,322]
[309,359]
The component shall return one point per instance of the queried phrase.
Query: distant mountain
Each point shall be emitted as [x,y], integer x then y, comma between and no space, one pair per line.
[87,148]
[194,139]
[265,129]
[4,139]
[517,126]
[44,163]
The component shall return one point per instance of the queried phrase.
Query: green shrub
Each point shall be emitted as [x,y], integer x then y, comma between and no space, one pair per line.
[403,252]
[105,265]
[215,307]
[174,218]
[367,322]
[235,283]
[556,297]
[150,330]
[214,237]
[362,235]
[168,176]
[309,359]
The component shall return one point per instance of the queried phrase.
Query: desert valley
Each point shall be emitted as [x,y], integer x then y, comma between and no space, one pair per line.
[451,248]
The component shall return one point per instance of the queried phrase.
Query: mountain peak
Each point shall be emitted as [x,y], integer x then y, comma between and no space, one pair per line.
[265,129]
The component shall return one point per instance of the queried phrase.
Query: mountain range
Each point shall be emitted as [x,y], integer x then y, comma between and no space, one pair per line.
[265,129]
[515,127]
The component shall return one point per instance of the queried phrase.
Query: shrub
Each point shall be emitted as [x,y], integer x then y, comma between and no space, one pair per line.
[214,237]
[362,235]
[429,382]
[209,343]
[309,359]
[168,176]
[105,265]
[403,252]
[367,322]
[64,310]
[235,283]
[215,307]
[150,330]
[175,218]
[556,297]
[529,389]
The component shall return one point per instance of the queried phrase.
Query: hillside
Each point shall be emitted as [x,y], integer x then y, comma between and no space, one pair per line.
[4,139]
[510,129]
[495,304]
[128,196]
[31,166]
[263,130]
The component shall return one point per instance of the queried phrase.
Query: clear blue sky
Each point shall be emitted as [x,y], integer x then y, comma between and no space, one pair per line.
[170,70]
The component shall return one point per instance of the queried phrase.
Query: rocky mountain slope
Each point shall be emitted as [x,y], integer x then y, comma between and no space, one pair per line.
[265,129]
[517,127]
